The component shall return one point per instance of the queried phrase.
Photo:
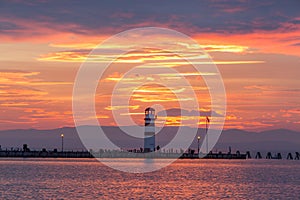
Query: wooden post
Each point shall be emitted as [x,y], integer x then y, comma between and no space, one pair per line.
[289,156]
[269,155]
[279,156]
[248,154]
[258,155]
[297,157]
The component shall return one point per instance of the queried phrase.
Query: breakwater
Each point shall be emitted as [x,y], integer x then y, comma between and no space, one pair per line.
[46,154]
[125,154]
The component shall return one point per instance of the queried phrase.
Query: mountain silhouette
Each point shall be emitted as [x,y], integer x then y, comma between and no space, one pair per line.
[279,140]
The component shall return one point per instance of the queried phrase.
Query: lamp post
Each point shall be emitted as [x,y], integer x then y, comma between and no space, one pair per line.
[62,142]
[198,144]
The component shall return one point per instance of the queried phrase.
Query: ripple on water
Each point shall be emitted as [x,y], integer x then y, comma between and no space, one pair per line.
[184,179]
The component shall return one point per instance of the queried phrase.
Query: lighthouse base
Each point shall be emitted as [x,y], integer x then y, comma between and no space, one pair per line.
[149,144]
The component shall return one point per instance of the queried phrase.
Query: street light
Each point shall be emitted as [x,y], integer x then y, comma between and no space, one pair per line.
[198,144]
[62,142]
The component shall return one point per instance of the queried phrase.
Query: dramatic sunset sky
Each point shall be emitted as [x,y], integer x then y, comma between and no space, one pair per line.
[255,45]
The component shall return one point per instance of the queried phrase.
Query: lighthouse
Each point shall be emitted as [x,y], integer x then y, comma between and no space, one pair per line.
[149,137]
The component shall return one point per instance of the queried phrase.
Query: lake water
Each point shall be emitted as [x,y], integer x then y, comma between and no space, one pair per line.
[184,179]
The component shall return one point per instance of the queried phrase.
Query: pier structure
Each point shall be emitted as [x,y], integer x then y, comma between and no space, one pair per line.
[258,155]
[269,156]
[149,135]
[289,156]
[297,157]
[248,155]
[26,152]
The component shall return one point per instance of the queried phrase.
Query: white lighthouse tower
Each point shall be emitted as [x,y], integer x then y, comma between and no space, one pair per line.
[149,139]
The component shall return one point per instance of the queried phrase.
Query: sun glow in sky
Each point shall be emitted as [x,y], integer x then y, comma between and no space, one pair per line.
[256,48]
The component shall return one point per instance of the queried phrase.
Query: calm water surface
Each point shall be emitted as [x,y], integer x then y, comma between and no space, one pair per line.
[184,179]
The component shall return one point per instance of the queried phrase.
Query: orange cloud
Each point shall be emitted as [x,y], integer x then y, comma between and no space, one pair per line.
[277,42]
[121,107]
[157,57]
[23,103]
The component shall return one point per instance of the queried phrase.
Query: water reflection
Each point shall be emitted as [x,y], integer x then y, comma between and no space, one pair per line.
[184,179]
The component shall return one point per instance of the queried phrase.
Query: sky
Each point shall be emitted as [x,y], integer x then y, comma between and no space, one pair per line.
[254,44]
